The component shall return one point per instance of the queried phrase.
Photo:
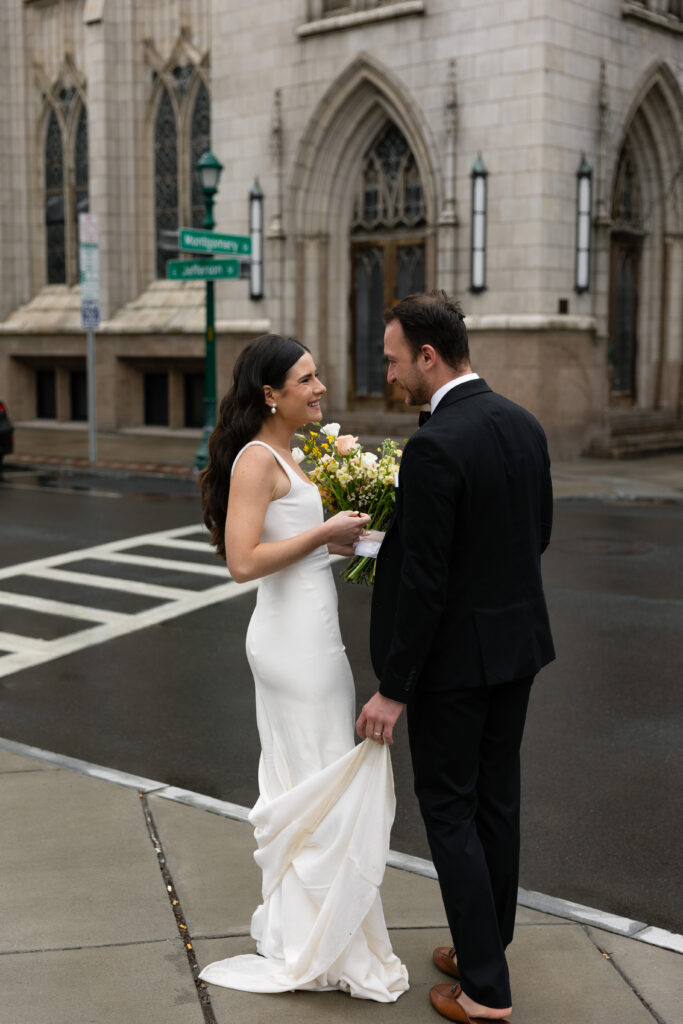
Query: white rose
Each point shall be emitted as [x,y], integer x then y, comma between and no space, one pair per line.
[298,455]
[368,460]
[331,429]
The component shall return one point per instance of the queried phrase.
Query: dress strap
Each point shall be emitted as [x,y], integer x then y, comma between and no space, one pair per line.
[288,470]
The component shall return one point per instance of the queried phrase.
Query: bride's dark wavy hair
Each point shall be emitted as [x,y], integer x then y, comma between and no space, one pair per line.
[266,360]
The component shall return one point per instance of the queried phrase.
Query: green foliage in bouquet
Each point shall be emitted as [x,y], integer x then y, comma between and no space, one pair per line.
[349,478]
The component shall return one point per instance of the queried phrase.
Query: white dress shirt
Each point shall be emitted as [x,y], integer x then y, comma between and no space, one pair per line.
[445,388]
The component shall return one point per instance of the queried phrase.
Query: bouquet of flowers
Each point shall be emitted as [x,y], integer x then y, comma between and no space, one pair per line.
[350,478]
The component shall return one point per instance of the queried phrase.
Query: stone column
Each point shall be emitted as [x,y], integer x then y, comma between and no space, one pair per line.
[109,54]
[669,390]
[15,162]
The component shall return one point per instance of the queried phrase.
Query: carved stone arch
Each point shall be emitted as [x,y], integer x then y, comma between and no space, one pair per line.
[342,126]
[182,54]
[652,128]
[658,100]
[320,194]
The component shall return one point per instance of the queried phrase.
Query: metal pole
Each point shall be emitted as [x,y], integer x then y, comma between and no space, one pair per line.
[201,459]
[92,425]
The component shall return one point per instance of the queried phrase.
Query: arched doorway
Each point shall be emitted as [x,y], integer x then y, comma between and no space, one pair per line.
[387,257]
[625,261]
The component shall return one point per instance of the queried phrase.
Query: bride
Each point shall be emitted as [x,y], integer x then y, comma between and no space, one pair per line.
[325,806]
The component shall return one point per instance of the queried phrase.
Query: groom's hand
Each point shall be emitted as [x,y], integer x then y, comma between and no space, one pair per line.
[378,718]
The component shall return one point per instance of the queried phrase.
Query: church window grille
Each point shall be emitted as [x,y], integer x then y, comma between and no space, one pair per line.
[82,204]
[165,181]
[390,192]
[54,202]
[200,142]
[182,133]
[626,211]
[625,261]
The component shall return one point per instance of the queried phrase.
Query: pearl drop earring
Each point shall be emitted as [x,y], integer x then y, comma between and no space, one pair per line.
[273,409]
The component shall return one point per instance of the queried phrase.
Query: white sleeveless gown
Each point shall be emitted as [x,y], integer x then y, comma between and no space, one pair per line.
[325,807]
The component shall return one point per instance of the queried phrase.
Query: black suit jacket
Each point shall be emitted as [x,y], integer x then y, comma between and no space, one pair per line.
[458,599]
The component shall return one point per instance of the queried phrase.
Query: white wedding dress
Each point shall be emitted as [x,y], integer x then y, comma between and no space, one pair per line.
[325,807]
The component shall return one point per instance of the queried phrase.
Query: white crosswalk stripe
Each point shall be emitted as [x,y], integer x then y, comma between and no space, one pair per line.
[28,651]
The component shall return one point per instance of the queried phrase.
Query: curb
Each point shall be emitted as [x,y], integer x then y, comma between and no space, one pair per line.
[552,905]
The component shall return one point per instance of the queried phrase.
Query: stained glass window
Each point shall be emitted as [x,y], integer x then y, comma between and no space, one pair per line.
[626,207]
[54,203]
[81,204]
[165,182]
[182,76]
[200,142]
[368,282]
[390,191]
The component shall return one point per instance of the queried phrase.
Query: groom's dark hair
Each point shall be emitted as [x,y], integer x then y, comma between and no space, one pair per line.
[433,318]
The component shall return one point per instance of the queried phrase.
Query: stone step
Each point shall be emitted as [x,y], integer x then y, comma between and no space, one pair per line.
[653,421]
[633,446]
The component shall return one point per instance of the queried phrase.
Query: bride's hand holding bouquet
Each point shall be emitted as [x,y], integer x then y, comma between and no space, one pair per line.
[353,480]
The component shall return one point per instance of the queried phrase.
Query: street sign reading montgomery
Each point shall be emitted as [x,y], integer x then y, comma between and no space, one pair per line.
[202,270]
[193,240]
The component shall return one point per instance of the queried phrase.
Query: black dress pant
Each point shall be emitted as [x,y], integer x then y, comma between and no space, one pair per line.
[465,750]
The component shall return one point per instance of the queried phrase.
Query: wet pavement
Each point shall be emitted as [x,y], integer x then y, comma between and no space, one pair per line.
[174,701]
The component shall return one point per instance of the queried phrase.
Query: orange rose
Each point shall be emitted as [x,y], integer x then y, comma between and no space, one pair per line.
[346,443]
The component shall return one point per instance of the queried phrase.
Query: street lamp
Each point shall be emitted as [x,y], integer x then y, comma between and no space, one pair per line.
[256,231]
[584,189]
[209,171]
[478,236]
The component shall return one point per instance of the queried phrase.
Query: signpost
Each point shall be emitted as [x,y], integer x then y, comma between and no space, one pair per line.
[194,240]
[209,269]
[202,270]
[89,275]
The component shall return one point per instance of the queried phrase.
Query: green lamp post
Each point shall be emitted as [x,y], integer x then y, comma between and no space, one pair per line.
[209,170]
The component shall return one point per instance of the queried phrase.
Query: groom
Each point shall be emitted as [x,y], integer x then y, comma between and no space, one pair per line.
[459,629]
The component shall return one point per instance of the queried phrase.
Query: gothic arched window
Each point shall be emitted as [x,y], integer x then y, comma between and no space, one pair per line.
[165,180]
[387,253]
[182,130]
[626,253]
[390,191]
[626,207]
[54,203]
[200,141]
[81,203]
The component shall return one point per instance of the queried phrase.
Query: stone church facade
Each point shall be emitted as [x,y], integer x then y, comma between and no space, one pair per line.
[526,156]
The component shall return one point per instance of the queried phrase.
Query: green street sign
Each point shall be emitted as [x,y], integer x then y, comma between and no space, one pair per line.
[202,270]
[193,240]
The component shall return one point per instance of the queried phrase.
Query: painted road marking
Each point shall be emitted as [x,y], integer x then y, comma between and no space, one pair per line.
[109,583]
[27,652]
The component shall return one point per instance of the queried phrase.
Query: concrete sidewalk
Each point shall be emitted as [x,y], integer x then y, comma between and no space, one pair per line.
[115,894]
[171,453]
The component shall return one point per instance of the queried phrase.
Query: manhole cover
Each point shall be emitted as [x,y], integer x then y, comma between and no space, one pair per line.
[598,546]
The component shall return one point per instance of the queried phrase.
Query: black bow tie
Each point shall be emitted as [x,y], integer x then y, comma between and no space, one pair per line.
[424,416]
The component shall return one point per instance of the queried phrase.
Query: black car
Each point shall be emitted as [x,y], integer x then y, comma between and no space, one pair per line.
[6,432]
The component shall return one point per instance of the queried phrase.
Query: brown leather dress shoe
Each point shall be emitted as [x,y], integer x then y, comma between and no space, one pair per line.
[444,999]
[443,958]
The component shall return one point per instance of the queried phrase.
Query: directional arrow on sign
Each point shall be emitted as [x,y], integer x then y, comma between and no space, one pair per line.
[193,240]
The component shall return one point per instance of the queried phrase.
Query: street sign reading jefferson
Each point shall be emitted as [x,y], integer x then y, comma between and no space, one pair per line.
[202,270]
[193,240]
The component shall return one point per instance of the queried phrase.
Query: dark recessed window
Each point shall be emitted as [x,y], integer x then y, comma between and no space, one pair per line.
[79,395]
[193,386]
[46,395]
[156,399]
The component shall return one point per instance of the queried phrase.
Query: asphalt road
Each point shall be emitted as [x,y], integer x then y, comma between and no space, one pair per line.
[602,814]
